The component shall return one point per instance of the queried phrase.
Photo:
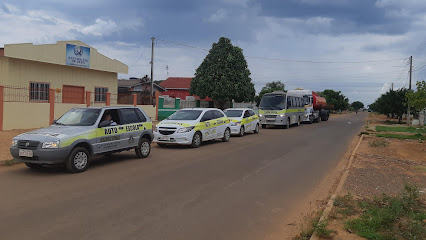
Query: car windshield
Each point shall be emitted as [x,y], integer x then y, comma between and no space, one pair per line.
[234,113]
[79,117]
[272,102]
[185,115]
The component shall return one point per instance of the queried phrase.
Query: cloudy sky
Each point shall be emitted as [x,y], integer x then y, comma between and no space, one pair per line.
[359,47]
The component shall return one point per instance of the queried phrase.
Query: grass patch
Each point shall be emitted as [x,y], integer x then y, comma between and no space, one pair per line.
[378,143]
[8,162]
[399,217]
[417,136]
[314,226]
[400,129]
[307,230]
[420,168]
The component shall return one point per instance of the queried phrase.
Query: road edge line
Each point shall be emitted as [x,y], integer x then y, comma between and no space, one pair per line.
[339,187]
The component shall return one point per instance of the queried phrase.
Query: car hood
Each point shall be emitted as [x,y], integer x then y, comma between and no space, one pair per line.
[54,132]
[176,123]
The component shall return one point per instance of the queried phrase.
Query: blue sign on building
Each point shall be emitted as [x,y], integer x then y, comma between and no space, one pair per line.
[78,56]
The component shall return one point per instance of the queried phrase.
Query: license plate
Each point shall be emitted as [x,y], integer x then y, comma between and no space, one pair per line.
[25,153]
[270,119]
[165,138]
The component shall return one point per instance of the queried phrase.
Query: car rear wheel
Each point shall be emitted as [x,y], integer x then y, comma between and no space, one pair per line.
[256,130]
[226,135]
[196,140]
[78,160]
[143,149]
[242,131]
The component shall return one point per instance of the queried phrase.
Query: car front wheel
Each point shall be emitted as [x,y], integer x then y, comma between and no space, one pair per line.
[78,160]
[242,131]
[196,140]
[226,135]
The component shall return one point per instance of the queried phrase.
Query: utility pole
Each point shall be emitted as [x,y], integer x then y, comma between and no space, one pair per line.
[392,87]
[152,71]
[409,88]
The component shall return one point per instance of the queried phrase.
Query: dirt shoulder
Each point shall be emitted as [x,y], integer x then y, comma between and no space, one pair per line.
[381,169]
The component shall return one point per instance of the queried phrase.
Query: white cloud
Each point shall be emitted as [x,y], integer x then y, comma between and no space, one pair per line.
[45,26]
[100,28]
[218,16]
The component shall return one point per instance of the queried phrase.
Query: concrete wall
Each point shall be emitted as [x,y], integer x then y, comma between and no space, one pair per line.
[18,72]
[19,115]
[56,54]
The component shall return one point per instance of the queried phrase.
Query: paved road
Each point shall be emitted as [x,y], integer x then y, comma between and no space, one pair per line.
[236,190]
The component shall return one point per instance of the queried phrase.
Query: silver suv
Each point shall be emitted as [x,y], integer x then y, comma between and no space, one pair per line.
[84,132]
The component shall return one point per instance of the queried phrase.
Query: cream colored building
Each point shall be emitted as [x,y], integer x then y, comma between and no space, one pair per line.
[69,67]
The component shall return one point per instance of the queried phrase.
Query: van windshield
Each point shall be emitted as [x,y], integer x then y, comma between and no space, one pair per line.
[79,117]
[272,102]
[185,115]
[234,113]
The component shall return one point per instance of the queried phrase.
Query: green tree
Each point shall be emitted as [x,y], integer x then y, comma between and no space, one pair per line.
[268,88]
[357,105]
[417,99]
[392,103]
[335,99]
[223,75]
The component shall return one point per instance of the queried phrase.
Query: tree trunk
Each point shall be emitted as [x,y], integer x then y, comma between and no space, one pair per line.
[399,119]
[220,104]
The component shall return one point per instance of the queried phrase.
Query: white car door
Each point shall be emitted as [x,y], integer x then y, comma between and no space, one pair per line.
[209,131]
[218,121]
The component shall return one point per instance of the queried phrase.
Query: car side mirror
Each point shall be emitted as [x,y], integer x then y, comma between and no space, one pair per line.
[104,124]
[54,121]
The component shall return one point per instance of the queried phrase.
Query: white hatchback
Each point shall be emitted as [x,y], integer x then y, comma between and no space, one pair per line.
[191,126]
[242,120]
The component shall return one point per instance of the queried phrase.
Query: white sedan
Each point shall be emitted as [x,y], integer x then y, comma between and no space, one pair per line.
[191,126]
[242,120]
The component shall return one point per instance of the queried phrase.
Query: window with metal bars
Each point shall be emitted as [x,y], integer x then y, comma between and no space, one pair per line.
[100,94]
[39,92]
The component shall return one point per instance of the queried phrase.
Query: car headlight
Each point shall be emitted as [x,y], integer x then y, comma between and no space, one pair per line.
[260,115]
[14,143]
[54,144]
[282,115]
[185,129]
[154,128]
[235,123]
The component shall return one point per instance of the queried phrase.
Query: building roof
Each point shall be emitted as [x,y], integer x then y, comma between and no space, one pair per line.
[124,83]
[57,53]
[177,83]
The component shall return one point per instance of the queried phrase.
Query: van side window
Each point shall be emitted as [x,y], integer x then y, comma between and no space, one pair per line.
[252,113]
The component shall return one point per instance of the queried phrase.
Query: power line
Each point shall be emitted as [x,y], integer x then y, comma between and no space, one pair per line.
[289,60]
[140,56]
